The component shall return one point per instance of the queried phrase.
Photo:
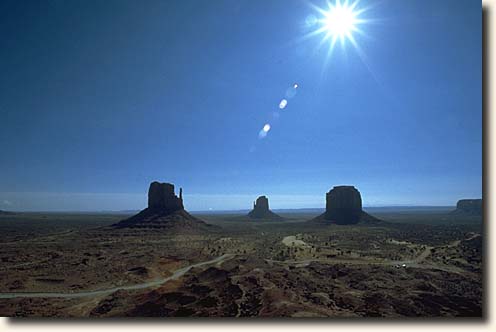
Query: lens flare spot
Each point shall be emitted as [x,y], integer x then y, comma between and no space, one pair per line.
[282,105]
[311,20]
[264,131]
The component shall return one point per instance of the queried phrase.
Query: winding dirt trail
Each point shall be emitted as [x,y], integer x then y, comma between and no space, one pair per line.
[154,283]
[416,262]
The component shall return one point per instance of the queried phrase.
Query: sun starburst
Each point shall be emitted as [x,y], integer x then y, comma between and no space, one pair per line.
[338,21]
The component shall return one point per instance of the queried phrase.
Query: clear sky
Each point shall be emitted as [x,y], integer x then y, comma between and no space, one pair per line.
[99,98]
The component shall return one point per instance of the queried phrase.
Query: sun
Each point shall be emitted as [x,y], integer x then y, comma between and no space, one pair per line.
[340,20]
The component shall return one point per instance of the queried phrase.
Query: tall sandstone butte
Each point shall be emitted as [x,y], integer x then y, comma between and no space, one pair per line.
[261,210]
[165,210]
[161,196]
[344,206]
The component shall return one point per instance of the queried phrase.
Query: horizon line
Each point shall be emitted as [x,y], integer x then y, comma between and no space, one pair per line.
[228,210]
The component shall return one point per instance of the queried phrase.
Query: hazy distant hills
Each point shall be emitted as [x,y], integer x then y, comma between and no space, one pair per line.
[374,209]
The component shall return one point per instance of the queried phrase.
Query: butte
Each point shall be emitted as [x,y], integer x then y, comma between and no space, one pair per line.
[344,207]
[261,210]
[165,211]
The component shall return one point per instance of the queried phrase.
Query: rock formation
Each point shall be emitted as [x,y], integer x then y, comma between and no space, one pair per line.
[261,210]
[165,210]
[161,197]
[472,207]
[344,206]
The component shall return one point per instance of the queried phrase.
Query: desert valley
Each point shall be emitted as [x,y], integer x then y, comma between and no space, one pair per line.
[164,261]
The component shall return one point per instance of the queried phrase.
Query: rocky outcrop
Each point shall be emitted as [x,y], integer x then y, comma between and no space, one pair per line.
[165,210]
[344,206]
[261,210]
[472,207]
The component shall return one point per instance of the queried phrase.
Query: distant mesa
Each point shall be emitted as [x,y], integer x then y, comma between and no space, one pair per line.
[469,207]
[261,210]
[165,210]
[344,207]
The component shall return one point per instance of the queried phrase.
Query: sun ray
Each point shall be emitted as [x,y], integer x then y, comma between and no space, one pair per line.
[353,5]
[329,54]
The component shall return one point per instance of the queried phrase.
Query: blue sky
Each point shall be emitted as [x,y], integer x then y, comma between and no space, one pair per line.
[99,98]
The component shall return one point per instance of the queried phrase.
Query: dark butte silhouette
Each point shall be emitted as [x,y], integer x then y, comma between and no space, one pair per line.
[344,207]
[165,210]
[161,196]
[261,210]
